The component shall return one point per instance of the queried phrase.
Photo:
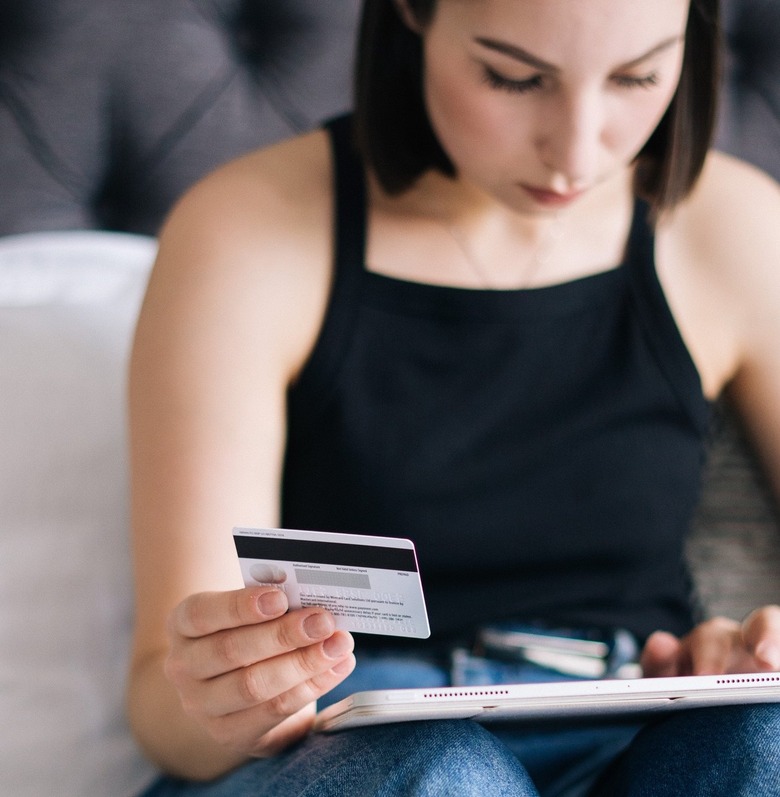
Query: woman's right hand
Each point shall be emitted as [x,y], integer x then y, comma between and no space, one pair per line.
[249,671]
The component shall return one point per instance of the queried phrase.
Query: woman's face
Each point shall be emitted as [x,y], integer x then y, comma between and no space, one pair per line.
[539,101]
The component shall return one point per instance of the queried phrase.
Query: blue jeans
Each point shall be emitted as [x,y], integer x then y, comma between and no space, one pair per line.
[714,752]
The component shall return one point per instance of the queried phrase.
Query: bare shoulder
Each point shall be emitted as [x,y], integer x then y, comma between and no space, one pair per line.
[251,241]
[717,258]
[726,233]
[730,220]
[270,196]
[734,214]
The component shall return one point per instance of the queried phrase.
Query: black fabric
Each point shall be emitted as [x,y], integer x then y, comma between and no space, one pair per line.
[541,447]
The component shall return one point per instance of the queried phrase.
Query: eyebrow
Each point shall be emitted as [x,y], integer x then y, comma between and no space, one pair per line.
[519,54]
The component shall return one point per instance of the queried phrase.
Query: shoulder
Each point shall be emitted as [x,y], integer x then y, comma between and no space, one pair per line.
[717,259]
[730,219]
[727,230]
[264,195]
[249,242]
[741,247]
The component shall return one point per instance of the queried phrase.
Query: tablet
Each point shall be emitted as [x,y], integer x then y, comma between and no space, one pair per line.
[550,701]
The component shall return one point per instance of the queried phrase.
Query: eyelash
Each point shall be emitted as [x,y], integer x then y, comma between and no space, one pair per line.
[496,81]
[643,82]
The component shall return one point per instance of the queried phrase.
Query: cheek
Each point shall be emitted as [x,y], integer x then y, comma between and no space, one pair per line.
[648,110]
[469,122]
[636,122]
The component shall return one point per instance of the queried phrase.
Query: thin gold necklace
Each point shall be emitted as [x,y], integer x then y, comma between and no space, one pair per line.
[541,256]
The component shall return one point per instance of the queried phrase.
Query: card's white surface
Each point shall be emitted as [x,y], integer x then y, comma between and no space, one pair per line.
[544,701]
[370,584]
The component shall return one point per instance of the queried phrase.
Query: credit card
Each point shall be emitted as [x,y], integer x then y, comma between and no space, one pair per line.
[370,584]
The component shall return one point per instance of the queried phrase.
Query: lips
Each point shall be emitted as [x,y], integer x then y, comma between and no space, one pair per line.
[548,198]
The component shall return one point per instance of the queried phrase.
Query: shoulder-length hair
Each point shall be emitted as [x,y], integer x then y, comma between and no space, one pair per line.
[394,136]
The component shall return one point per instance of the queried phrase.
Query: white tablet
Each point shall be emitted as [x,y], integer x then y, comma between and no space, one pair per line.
[555,700]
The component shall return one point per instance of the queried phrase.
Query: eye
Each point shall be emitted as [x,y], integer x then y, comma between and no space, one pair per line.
[496,81]
[636,81]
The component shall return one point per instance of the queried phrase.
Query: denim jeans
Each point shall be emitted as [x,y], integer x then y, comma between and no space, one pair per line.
[712,752]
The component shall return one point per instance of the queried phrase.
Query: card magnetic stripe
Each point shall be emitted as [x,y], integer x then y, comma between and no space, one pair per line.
[326,553]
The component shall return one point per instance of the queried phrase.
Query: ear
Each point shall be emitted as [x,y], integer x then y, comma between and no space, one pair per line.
[407,16]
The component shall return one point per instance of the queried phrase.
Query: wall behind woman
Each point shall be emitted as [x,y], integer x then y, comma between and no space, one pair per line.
[750,101]
[110,109]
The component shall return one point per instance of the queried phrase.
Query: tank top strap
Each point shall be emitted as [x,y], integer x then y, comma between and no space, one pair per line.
[350,198]
[348,257]
[657,321]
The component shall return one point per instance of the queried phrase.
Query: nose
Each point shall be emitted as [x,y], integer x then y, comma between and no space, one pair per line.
[570,140]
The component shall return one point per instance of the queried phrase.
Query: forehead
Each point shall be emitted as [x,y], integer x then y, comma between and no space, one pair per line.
[568,31]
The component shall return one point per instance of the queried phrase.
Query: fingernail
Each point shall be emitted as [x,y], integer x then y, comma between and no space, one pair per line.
[318,626]
[769,653]
[337,645]
[273,602]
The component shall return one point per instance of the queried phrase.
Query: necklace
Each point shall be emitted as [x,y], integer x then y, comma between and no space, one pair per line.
[540,257]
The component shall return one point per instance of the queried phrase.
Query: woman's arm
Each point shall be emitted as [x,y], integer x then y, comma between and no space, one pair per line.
[727,302]
[233,308]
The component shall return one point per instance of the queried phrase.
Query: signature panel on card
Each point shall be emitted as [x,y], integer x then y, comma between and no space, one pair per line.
[370,584]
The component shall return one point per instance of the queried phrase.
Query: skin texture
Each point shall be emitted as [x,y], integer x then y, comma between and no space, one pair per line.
[522,96]
[238,294]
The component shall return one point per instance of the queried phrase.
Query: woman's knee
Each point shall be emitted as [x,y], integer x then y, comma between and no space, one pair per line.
[436,758]
[731,751]
[749,740]
[415,759]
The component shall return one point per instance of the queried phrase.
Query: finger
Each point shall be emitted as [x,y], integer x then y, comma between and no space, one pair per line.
[265,682]
[263,730]
[715,646]
[761,635]
[713,654]
[209,612]
[252,732]
[236,648]
[274,742]
[661,655]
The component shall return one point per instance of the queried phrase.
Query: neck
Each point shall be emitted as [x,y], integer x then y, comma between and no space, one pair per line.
[446,232]
[500,258]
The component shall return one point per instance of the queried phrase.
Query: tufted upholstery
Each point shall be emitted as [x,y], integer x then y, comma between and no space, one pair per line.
[750,103]
[109,109]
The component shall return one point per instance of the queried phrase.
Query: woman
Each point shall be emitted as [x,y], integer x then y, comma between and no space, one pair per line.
[499,334]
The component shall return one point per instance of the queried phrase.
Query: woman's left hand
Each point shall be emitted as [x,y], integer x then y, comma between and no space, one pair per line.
[717,646]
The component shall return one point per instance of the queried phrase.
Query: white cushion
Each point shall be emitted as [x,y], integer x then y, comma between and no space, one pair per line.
[68,304]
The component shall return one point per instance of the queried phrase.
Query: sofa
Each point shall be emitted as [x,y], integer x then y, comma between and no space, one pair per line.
[108,111]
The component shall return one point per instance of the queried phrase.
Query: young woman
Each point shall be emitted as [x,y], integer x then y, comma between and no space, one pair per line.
[490,313]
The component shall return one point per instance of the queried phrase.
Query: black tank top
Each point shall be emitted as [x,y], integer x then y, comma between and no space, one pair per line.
[542,447]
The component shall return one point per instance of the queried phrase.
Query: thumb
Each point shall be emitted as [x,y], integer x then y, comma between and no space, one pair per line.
[661,655]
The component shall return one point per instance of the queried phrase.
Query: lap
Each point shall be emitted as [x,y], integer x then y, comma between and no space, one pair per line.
[698,752]
[730,751]
[415,759]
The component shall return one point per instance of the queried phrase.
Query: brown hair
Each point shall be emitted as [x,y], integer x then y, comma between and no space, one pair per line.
[395,137]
